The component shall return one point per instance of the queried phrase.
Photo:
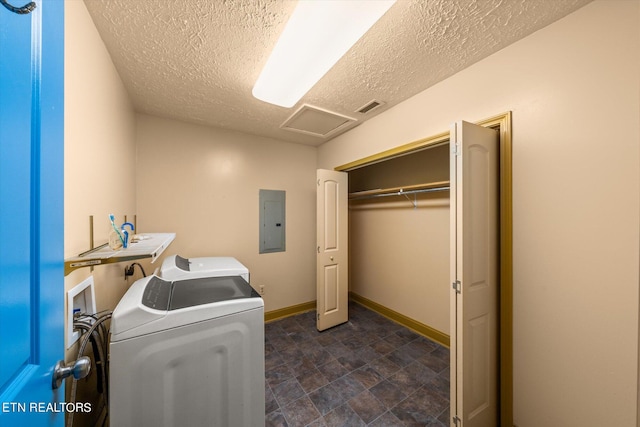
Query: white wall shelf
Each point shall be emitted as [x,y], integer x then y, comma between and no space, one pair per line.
[150,247]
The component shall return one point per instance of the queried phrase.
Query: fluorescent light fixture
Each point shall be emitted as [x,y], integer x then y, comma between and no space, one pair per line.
[317,35]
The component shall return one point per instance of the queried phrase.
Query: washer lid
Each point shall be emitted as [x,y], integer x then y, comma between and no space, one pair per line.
[192,292]
[152,304]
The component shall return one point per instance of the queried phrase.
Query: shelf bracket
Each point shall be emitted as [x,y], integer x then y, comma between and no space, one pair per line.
[414,202]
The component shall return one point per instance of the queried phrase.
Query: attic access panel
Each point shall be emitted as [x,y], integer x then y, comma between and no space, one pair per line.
[317,122]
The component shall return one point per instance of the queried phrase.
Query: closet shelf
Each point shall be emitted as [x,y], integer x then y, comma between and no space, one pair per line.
[400,191]
[147,248]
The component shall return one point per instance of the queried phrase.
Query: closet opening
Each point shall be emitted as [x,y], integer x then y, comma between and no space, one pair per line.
[399,237]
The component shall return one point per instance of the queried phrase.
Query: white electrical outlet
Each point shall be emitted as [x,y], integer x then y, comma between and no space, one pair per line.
[80,299]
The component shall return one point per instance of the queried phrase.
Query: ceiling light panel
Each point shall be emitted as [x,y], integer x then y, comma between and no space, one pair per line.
[316,36]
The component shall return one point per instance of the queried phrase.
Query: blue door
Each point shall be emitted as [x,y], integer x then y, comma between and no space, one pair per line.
[31,213]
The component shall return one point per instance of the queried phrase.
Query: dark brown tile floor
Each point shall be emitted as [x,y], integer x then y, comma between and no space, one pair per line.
[369,371]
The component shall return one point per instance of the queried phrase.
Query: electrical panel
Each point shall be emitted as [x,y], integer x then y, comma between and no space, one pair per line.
[272,221]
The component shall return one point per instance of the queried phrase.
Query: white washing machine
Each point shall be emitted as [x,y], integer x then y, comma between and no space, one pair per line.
[176,267]
[188,352]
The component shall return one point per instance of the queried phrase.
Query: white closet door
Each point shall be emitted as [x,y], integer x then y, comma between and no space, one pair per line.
[332,253]
[474,273]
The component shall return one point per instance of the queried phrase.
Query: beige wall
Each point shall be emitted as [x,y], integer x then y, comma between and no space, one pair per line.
[399,256]
[99,169]
[99,150]
[203,183]
[573,88]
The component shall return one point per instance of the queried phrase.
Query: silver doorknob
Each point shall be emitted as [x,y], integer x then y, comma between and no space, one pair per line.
[79,369]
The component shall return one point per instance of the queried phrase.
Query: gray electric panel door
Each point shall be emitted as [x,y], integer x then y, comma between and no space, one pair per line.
[272,221]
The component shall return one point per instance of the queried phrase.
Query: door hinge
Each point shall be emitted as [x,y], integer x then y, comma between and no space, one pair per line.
[457,286]
[456,149]
[457,421]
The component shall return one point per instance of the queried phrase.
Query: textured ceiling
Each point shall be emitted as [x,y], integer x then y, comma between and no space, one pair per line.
[197,60]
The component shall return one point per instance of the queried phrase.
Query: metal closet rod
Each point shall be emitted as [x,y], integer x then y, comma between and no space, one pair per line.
[401,193]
